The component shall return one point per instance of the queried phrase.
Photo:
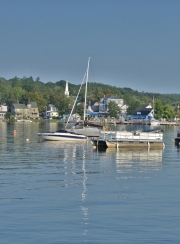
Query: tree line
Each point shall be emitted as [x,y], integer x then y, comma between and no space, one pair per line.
[22,89]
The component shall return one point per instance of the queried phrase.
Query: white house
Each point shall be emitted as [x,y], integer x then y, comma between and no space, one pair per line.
[103,105]
[51,111]
[74,118]
[145,112]
[3,111]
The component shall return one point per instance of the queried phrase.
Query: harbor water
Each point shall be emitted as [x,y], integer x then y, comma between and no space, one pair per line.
[57,192]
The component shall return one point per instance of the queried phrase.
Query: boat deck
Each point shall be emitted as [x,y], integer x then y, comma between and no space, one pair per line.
[127,139]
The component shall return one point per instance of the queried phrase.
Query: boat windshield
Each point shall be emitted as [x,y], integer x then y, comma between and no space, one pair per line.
[65,131]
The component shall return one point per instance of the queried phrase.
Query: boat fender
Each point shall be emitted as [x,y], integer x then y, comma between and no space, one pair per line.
[14,132]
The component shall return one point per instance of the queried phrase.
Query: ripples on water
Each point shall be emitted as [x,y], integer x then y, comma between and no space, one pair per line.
[56,192]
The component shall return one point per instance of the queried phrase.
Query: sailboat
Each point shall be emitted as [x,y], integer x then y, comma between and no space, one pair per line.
[153,121]
[63,135]
[86,130]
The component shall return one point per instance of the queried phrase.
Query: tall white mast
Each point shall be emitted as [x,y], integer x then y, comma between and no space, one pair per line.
[87,73]
[75,102]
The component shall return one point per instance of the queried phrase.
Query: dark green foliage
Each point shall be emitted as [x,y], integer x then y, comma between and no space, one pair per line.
[8,115]
[158,109]
[79,109]
[133,105]
[21,89]
[113,109]
[163,111]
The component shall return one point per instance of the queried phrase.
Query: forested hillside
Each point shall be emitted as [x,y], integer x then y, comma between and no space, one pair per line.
[21,89]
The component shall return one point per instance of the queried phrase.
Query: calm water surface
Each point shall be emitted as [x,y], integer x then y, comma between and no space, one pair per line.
[56,192]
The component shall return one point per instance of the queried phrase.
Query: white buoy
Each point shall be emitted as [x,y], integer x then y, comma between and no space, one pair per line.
[27,139]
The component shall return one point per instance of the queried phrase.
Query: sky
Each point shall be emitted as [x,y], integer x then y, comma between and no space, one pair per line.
[132,43]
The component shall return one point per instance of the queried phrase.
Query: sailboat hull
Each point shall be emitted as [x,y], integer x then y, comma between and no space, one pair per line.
[88,131]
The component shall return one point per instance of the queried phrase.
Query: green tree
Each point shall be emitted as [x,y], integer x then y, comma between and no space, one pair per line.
[133,105]
[158,109]
[127,99]
[168,113]
[8,115]
[108,92]
[63,103]
[36,97]
[113,109]
[18,92]
[79,109]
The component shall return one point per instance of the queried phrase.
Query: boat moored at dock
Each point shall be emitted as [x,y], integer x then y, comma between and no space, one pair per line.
[177,139]
[129,139]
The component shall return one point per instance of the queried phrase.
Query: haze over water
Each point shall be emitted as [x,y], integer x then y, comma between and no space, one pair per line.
[56,192]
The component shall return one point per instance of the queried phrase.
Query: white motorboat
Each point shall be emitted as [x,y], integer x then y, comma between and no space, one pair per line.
[127,139]
[61,135]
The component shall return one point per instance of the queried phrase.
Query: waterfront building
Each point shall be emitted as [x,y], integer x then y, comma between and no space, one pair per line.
[51,111]
[29,110]
[3,111]
[145,112]
[103,106]
[74,117]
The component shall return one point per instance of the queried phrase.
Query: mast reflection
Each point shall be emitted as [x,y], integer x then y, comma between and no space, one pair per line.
[83,208]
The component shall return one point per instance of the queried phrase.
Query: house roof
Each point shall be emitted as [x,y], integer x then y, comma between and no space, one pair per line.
[34,105]
[23,106]
[94,103]
[143,110]
[19,105]
[95,108]
[112,97]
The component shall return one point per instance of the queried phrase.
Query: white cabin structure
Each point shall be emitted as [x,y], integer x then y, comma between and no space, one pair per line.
[3,111]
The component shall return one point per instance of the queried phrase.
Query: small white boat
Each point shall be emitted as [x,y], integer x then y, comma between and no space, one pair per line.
[24,120]
[129,139]
[154,122]
[177,139]
[61,135]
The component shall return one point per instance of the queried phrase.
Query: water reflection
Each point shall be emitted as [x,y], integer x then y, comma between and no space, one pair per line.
[73,158]
[141,155]
[138,160]
[133,160]
[3,129]
[83,207]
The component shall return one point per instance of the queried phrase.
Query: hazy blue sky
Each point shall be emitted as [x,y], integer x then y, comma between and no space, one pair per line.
[132,43]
